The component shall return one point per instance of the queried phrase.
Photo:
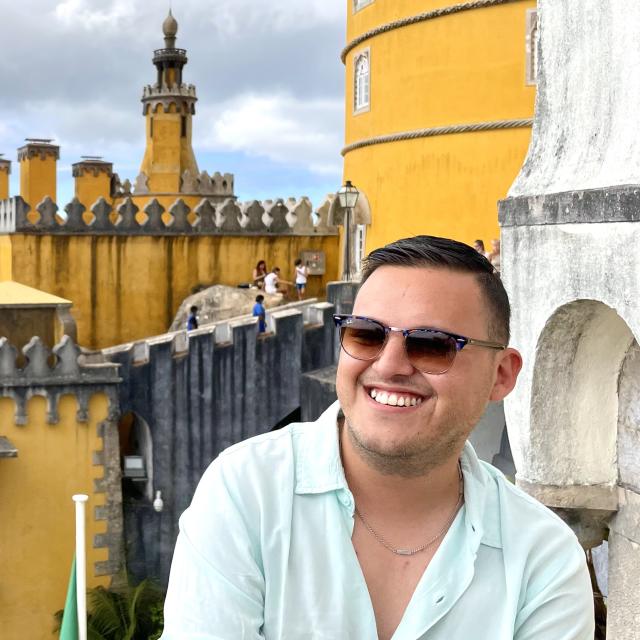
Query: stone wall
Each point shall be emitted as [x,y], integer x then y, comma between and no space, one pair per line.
[202,392]
[570,261]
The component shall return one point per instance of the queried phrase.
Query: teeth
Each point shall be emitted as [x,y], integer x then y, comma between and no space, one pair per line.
[394,399]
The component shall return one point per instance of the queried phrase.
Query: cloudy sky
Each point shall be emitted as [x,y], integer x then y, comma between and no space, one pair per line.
[267,72]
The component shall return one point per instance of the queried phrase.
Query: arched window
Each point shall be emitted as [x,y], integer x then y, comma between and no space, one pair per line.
[362,82]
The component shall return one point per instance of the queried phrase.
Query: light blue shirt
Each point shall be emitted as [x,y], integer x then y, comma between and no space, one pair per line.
[265,551]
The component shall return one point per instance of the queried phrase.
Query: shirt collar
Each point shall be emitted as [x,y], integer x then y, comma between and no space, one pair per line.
[319,470]
[318,464]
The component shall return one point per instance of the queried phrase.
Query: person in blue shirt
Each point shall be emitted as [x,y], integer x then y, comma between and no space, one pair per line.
[260,312]
[192,319]
[378,520]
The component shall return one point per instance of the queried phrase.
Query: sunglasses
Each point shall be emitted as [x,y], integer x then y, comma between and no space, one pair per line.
[428,350]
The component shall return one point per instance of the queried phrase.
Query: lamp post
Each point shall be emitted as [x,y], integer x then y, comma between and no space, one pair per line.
[347,196]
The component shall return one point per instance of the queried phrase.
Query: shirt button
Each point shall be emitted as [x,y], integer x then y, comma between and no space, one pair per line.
[346,500]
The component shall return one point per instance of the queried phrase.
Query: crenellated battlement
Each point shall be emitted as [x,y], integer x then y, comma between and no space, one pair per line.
[155,90]
[52,373]
[269,217]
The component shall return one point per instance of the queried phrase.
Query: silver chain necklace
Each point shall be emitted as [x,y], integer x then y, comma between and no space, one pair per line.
[412,552]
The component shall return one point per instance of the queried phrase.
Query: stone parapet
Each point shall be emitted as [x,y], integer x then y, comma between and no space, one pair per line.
[178,95]
[5,166]
[204,390]
[52,374]
[268,218]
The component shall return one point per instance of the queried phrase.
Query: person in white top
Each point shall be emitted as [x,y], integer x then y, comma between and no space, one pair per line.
[302,272]
[273,283]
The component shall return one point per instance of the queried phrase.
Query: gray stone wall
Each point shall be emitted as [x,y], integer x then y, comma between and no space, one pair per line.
[202,392]
[570,262]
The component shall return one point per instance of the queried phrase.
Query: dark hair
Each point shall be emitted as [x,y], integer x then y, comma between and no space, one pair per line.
[443,253]
[298,261]
[259,298]
[276,269]
[480,242]
[193,308]
[259,263]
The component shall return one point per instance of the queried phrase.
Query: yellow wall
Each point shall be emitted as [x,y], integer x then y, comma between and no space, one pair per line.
[89,188]
[6,258]
[38,179]
[37,521]
[4,181]
[463,68]
[126,288]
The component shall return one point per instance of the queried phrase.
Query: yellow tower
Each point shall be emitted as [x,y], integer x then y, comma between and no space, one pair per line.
[93,178]
[5,171]
[439,97]
[169,105]
[38,160]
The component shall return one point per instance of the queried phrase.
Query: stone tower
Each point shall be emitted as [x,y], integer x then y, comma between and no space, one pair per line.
[169,105]
[570,237]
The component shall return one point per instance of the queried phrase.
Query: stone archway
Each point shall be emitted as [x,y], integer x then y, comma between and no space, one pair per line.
[574,398]
[135,439]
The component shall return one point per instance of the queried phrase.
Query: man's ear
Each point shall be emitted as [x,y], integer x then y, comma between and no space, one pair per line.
[508,367]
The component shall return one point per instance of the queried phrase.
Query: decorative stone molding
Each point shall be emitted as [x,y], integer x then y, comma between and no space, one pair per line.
[93,167]
[5,166]
[141,184]
[183,95]
[38,150]
[52,374]
[271,218]
[189,182]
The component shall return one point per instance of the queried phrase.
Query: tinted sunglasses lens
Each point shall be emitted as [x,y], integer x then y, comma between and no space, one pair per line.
[362,339]
[431,351]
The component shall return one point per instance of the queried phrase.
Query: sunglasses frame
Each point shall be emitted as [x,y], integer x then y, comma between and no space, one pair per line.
[459,341]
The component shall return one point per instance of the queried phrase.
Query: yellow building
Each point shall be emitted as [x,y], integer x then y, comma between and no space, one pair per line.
[439,98]
[128,263]
[46,456]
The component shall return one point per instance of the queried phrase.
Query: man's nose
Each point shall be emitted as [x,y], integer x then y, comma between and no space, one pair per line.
[393,360]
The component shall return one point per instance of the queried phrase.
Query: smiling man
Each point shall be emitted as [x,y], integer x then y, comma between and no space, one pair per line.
[378,520]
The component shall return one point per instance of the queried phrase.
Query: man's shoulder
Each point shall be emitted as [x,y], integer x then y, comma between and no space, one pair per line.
[267,448]
[521,516]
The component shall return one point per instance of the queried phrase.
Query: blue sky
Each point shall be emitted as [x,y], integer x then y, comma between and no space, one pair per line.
[269,81]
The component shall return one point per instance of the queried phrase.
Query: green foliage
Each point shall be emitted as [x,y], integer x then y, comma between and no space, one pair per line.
[129,613]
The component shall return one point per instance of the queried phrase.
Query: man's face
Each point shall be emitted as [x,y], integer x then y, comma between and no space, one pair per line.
[412,439]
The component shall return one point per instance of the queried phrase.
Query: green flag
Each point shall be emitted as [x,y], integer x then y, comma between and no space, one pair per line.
[69,628]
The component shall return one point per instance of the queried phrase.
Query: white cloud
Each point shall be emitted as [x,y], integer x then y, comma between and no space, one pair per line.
[79,14]
[281,127]
[267,73]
